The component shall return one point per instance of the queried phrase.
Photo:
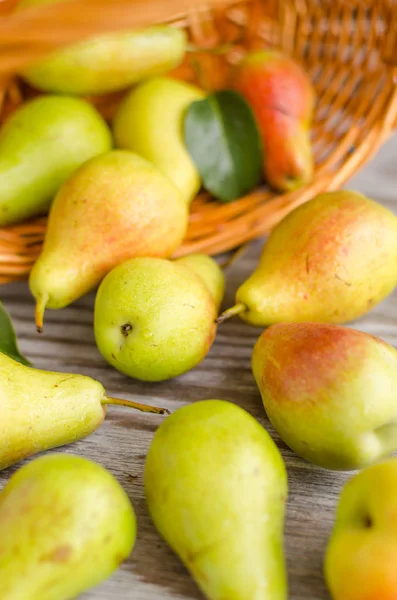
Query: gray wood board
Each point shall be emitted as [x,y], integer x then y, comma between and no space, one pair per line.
[121,444]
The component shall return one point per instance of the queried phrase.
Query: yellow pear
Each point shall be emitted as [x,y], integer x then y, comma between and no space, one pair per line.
[329,261]
[150,123]
[216,486]
[116,206]
[108,62]
[155,318]
[40,410]
[66,524]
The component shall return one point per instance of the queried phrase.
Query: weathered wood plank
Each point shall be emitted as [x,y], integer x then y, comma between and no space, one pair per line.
[121,444]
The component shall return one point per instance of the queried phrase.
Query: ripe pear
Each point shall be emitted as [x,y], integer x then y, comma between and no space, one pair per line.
[209,271]
[329,391]
[114,207]
[150,123]
[319,263]
[40,410]
[108,62]
[154,318]
[65,525]
[281,96]
[41,145]
[216,487]
[360,562]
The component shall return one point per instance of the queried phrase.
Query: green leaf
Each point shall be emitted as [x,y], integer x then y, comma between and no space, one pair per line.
[8,340]
[224,142]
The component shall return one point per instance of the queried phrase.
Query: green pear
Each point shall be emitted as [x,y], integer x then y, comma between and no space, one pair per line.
[329,391]
[40,410]
[216,487]
[150,122]
[108,62]
[41,145]
[361,557]
[155,319]
[65,525]
[210,273]
[114,207]
[319,263]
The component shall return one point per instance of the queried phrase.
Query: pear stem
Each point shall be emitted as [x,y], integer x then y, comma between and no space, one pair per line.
[39,312]
[234,256]
[231,312]
[136,405]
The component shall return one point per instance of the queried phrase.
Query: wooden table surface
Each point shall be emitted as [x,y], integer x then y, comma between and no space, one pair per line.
[153,571]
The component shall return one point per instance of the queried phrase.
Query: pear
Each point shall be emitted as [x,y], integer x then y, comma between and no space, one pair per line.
[281,96]
[329,391]
[114,207]
[41,145]
[40,410]
[208,270]
[154,318]
[360,562]
[319,263]
[150,123]
[216,487]
[108,62]
[65,525]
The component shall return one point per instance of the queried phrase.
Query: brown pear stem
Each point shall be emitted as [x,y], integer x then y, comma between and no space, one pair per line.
[231,312]
[234,257]
[39,312]
[137,406]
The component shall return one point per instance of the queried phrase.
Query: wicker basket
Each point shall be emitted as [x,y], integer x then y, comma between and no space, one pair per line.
[347,46]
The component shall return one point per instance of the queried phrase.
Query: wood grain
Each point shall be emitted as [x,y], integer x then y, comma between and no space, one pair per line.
[153,572]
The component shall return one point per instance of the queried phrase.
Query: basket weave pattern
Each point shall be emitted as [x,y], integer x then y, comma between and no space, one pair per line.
[348,47]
